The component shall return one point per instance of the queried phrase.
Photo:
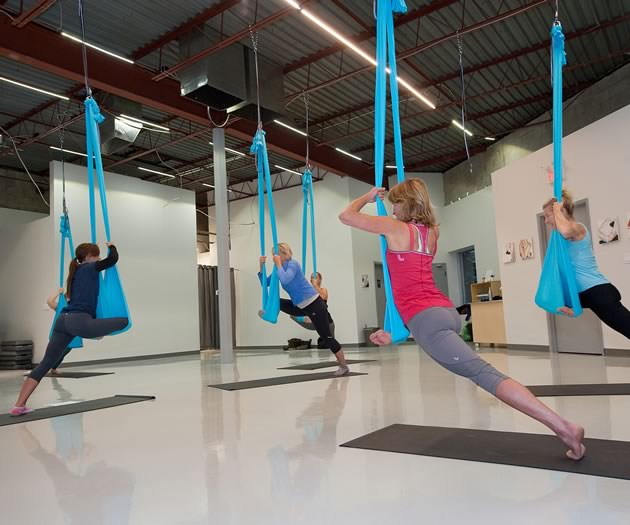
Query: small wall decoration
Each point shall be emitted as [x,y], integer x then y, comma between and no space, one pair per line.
[526,248]
[628,223]
[508,252]
[608,230]
[365,281]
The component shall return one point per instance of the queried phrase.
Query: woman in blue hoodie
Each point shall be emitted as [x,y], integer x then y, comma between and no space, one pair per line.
[305,301]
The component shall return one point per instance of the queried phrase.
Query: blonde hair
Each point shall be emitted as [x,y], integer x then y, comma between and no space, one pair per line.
[285,249]
[413,196]
[567,203]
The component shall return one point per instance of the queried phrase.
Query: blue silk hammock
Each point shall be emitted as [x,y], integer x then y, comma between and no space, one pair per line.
[66,235]
[385,42]
[557,287]
[270,287]
[111,298]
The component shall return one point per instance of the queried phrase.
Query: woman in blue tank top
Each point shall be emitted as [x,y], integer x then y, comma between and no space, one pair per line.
[596,292]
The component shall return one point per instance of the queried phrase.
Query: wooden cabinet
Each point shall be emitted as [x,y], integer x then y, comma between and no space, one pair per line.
[487,313]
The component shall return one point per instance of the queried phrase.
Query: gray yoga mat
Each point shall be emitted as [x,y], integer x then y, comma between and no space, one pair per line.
[78,375]
[74,408]
[605,458]
[325,364]
[282,380]
[606,389]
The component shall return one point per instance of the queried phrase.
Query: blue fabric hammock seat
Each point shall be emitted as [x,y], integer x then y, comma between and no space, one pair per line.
[111,299]
[66,236]
[558,286]
[270,288]
[386,48]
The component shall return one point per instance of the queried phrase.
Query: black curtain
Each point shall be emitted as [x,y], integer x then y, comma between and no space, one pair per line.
[209,305]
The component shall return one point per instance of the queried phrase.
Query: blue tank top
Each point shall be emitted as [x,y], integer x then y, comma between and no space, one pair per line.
[586,271]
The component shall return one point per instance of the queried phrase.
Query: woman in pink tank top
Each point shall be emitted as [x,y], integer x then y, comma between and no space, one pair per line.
[412,238]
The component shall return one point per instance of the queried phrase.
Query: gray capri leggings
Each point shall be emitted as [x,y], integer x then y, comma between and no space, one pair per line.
[436,330]
[67,327]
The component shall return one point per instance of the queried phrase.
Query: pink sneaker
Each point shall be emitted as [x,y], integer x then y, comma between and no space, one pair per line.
[21,411]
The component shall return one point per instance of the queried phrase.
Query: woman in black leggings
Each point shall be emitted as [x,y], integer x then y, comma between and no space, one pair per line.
[596,292]
[304,302]
[76,319]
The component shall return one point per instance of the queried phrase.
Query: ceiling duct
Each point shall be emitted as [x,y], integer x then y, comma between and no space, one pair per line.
[119,133]
[226,80]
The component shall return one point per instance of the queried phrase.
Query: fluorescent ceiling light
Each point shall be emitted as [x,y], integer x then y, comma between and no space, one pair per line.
[69,151]
[358,50]
[157,172]
[287,169]
[491,139]
[32,88]
[390,167]
[76,39]
[289,127]
[134,119]
[231,150]
[347,153]
[209,185]
[457,124]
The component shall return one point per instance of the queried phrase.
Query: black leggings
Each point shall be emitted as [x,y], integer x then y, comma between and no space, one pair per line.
[317,311]
[69,326]
[605,302]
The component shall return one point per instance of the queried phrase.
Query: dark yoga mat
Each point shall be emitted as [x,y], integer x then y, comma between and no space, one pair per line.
[326,364]
[283,380]
[74,408]
[606,389]
[79,375]
[610,459]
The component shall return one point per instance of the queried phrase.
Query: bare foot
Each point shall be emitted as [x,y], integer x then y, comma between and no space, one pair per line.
[566,311]
[54,372]
[573,436]
[381,338]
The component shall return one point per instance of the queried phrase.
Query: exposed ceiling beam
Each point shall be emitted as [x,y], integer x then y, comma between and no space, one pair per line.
[367,34]
[480,96]
[278,15]
[405,55]
[545,97]
[46,50]
[543,45]
[197,20]
[30,14]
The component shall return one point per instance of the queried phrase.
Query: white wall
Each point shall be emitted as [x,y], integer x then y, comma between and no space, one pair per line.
[27,277]
[469,222]
[596,160]
[334,260]
[466,223]
[156,237]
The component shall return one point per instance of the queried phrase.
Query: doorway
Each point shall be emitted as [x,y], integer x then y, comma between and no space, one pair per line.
[379,285]
[467,272]
[440,277]
[566,335]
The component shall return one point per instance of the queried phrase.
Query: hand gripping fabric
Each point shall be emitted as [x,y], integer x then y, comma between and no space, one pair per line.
[66,235]
[557,287]
[111,299]
[309,203]
[385,43]
[271,287]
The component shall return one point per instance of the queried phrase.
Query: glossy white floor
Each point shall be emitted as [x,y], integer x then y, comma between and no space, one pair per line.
[199,455]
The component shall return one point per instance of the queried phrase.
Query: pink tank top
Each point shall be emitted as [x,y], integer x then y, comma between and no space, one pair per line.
[411,275]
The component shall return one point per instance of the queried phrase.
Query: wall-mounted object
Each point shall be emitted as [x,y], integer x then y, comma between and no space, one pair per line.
[608,230]
[508,252]
[526,248]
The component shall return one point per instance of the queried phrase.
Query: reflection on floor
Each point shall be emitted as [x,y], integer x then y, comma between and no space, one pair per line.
[199,455]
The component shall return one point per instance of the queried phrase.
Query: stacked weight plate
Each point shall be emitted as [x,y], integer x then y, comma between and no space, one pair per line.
[16,355]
